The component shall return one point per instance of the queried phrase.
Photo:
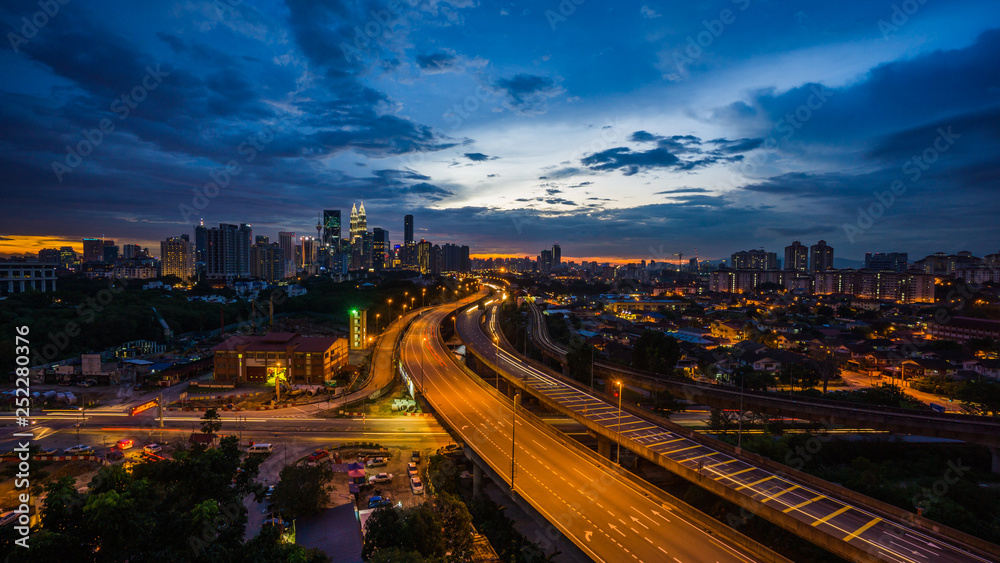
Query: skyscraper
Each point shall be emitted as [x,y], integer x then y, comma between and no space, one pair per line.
[756,259]
[893,261]
[244,240]
[110,251]
[200,238]
[331,230]
[820,257]
[424,256]
[556,255]
[380,245]
[797,257]
[286,239]
[177,258]
[93,250]
[268,262]
[407,229]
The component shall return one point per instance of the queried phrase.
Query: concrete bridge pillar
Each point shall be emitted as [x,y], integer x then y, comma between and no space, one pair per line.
[477,480]
[603,447]
[995,453]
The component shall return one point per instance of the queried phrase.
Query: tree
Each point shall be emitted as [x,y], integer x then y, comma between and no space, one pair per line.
[666,403]
[304,489]
[826,367]
[212,422]
[655,351]
[579,359]
[981,397]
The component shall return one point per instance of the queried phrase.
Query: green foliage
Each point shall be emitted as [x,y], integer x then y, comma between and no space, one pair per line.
[578,359]
[184,509]
[427,530]
[655,351]
[884,394]
[212,422]
[304,489]
[981,397]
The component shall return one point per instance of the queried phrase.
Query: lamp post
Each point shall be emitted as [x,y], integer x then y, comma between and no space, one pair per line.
[739,435]
[376,322]
[423,294]
[618,455]
[422,371]
[496,340]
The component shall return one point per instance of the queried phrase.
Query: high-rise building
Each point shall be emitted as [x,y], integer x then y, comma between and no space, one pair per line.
[756,259]
[67,256]
[308,256]
[424,256]
[380,248]
[892,261]
[220,252]
[797,257]
[177,258]
[545,261]
[110,251]
[268,262]
[200,241]
[261,240]
[49,256]
[359,329]
[407,229]
[331,229]
[556,255]
[93,250]
[244,240]
[287,242]
[820,257]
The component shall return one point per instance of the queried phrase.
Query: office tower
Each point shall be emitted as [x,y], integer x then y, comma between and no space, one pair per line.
[407,229]
[49,256]
[200,240]
[331,229]
[220,252]
[130,251]
[362,220]
[424,256]
[261,240]
[354,223]
[67,256]
[93,250]
[308,256]
[110,251]
[268,262]
[557,255]
[435,260]
[892,261]
[359,329]
[287,242]
[797,257]
[380,247]
[244,240]
[820,257]
[177,258]
[545,261]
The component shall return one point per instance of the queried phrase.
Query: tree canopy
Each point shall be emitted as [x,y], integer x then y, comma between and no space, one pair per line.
[655,351]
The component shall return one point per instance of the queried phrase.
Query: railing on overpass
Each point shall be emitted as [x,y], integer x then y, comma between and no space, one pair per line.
[986,426]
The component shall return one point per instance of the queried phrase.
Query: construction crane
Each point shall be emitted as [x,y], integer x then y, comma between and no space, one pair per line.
[680,260]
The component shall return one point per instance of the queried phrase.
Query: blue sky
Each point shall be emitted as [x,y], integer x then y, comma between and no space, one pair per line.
[617,129]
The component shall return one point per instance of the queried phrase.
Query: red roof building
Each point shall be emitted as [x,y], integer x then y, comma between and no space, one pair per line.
[309,360]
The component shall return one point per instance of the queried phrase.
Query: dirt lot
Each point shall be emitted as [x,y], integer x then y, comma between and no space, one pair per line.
[399,489]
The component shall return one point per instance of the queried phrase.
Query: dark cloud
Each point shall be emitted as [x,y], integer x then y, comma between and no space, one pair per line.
[684,191]
[436,63]
[479,157]
[527,94]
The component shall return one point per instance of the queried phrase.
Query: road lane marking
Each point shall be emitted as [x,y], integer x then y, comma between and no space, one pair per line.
[801,504]
[831,515]
[731,475]
[721,463]
[778,494]
[682,449]
[862,529]
[755,483]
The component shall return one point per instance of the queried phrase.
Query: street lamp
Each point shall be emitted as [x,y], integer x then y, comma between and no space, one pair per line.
[423,293]
[377,315]
[618,455]
[422,371]
[739,435]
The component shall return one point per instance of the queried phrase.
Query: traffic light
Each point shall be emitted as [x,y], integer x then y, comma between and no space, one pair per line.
[616,393]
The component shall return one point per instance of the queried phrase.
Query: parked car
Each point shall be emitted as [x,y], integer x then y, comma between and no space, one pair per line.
[86,383]
[8,517]
[415,456]
[378,462]
[269,493]
[114,455]
[318,455]
[411,469]
[377,501]
[48,451]
[416,486]
[381,478]
[152,448]
[79,450]
[125,444]
[450,449]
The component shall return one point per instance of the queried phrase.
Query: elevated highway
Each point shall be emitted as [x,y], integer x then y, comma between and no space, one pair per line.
[850,525]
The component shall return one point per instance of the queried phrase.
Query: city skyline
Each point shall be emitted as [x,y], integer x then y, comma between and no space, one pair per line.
[688,127]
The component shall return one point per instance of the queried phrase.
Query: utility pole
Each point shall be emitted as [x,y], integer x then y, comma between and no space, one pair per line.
[513,428]
[159,405]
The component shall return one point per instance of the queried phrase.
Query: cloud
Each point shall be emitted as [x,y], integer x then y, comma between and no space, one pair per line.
[648,13]
[479,157]
[436,63]
[683,191]
[527,94]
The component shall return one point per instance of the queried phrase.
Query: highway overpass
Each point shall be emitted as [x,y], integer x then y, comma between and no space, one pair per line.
[850,525]
[610,515]
[974,429]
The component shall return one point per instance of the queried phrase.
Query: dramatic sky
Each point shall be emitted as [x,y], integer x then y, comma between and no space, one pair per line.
[618,129]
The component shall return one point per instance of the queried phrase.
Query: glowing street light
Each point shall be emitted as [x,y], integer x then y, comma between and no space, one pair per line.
[618,455]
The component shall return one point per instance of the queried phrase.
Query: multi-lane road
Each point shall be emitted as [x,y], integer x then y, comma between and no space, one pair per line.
[607,515]
[845,522]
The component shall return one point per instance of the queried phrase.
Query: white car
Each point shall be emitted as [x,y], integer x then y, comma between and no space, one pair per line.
[381,478]
[79,450]
[411,470]
[152,448]
[416,486]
